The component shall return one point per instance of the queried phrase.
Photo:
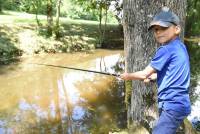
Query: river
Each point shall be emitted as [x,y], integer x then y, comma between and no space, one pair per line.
[43,99]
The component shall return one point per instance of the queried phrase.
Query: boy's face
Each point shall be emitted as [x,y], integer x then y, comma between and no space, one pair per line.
[165,34]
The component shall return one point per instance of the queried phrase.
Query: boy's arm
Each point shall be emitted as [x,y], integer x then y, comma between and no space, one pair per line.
[139,75]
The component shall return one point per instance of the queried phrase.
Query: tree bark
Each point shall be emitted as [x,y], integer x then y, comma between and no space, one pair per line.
[57,28]
[139,48]
[106,18]
[36,5]
[49,17]
[1,5]
[100,24]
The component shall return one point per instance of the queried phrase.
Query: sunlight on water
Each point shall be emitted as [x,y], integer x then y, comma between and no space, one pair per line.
[39,99]
[104,64]
[70,94]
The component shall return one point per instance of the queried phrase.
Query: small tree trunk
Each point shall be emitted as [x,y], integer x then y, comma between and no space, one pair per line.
[49,17]
[105,24]
[36,6]
[2,3]
[100,24]
[1,6]
[57,27]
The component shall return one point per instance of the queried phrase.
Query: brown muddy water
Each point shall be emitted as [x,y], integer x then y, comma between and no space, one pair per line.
[46,100]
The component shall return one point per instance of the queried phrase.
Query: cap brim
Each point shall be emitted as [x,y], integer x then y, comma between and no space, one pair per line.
[159,23]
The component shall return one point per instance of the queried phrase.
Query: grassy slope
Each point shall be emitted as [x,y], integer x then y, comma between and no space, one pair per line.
[18,31]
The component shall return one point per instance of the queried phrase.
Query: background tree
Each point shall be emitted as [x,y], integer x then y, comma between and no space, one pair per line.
[118,7]
[49,17]
[139,48]
[1,2]
[36,6]
[193,18]
[101,7]
[57,27]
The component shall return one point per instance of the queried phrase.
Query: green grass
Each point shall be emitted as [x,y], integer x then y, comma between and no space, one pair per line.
[13,16]
[19,32]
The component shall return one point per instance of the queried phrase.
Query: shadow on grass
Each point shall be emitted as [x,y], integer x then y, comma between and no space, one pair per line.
[8,51]
[3,13]
[113,34]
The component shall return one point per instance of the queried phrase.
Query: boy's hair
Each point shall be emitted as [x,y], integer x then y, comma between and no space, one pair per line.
[165,18]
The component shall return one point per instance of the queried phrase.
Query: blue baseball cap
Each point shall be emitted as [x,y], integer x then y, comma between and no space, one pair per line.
[165,18]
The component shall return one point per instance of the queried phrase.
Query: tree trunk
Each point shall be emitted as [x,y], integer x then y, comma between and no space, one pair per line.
[139,48]
[57,28]
[1,5]
[105,23]
[36,5]
[100,24]
[49,17]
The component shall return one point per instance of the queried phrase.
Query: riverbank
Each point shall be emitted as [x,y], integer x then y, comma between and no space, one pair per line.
[20,35]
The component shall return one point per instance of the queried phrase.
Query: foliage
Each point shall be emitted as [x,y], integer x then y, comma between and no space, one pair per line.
[8,51]
[194,53]
[29,6]
[193,18]
[117,7]
[90,9]
[25,5]
[72,10]
[128,88]
[197,126]
[8,4]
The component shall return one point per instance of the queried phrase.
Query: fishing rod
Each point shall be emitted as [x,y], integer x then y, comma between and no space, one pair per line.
[79,69]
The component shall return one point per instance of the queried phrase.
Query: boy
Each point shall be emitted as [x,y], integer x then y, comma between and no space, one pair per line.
[170,66]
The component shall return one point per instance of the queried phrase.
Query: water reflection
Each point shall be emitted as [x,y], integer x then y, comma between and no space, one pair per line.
[49,100]
[88,100]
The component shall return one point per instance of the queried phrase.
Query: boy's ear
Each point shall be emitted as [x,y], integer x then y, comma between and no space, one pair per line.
[178,29]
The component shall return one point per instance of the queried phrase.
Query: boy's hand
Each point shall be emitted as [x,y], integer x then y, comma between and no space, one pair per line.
[147,80]
[152,77]
[124,76]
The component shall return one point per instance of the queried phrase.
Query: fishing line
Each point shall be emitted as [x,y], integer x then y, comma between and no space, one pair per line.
[79,69]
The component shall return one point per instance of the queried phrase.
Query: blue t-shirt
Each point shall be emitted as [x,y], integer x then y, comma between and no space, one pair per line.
[171,62]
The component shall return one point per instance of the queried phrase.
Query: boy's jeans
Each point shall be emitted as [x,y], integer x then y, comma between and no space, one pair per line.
[168,122]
